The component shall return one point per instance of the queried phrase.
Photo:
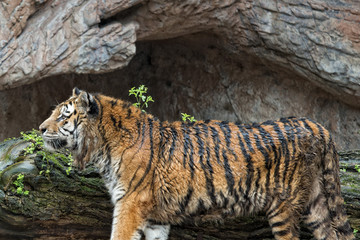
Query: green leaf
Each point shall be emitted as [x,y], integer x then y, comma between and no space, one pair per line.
[141,99]
[149,99]
[132,91]
[186,117]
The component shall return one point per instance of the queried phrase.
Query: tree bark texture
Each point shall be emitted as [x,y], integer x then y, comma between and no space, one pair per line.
[77,206]
[317,39]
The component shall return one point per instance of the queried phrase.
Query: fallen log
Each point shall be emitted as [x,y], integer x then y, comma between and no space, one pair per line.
[63,203]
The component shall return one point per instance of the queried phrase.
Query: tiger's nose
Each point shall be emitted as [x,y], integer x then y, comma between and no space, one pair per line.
[43,127]
[42,130]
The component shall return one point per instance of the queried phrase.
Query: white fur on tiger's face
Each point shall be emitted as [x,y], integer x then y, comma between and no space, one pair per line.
[60,134]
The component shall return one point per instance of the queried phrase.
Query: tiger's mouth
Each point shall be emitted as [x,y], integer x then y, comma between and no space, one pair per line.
[54,143]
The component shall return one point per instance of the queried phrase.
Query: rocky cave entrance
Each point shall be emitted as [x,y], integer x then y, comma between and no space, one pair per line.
[246,61]
[197,75]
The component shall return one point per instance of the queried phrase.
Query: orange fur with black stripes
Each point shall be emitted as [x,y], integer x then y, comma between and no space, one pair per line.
[163,173]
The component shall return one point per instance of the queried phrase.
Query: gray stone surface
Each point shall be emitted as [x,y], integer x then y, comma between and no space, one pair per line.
[317,39]
[61,37]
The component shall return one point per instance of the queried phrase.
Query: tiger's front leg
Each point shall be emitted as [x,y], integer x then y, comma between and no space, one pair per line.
[129,220]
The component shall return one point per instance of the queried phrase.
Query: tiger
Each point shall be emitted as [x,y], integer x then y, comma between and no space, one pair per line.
[161,173]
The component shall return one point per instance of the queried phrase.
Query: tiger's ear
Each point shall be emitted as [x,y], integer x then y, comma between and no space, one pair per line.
[87,102]
[76,92]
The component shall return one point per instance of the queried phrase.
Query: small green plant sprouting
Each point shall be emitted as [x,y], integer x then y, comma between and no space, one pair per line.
[357,168]
[344,167]
[19,184]
[70,162]
[355,231]
[141,99]
[8,139]
[36,141]
[186,117]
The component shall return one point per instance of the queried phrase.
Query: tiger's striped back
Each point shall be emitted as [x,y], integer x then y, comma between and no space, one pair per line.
[254,162]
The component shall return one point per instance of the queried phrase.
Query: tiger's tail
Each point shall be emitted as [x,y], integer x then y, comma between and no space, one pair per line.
[326,215]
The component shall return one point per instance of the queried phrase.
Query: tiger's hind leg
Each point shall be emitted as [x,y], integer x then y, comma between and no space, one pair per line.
[284,220]
[325,215]
[318,220]
[156,232]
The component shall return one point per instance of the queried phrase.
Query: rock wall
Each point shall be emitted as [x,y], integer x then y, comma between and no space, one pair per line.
[192,74]
[317,39]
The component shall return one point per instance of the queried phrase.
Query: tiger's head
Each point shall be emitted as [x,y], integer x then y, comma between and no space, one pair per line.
[70,126]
